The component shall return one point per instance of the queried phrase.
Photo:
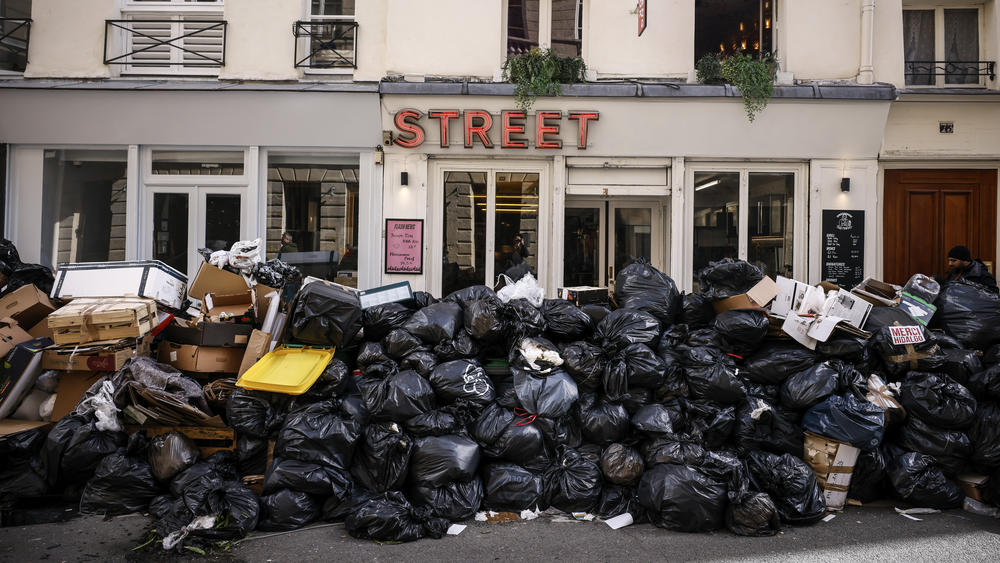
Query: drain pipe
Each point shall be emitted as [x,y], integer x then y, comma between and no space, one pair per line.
[866,73]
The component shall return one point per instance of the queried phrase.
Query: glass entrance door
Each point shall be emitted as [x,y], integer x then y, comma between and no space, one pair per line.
[602,236]
[184,219]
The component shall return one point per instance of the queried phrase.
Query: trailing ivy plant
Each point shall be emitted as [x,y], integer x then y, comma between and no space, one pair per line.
[709,70]
[540,73]
[754,78]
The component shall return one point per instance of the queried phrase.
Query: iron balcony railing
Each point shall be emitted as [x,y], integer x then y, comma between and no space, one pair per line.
[197,42]
[14,36]
[970,71]
[326,44]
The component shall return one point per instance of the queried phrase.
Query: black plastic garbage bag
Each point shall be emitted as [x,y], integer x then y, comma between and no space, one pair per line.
[773,363]
[564,321]
[682,498]
[324,315]
[330,383]
[462,346]
[601,422]
[462,380]
[970,313]
[250,413]
[122,483]
[484,319]
[621,464]
[435,323]
[901,358]
[522,318]
[29,274]
[704,337]
[713,376]
[221,464]
[86,448]
[467,295]
[658,418]
[848,419]
[439,460]
[307,477]
[286,510]
[19,477]
[371,353]
[645,368]
[759,426]
[382,458]
[674,383]
[511,487]
[951,449]
[641,286]
[552,396]
[961,364]
[617,500]
[420,361]
[626,326]
[422,299]
[251,454]
[451,419]
[236,506]
[868,480]
[320,433]
[728,278]
[382,319]
[573,483]
[754,516]
[791,484]
[399,344]
[806,388]
[938,400]
[697,311]
[635,399]
[985,385]
[683,449]
[454,501]
[390,517]
[584,363]
[714,423]
[921,482]
[991,357]
[503,434]
[171,453]
[742,330]
[595,312]
[397,398]
[984,433]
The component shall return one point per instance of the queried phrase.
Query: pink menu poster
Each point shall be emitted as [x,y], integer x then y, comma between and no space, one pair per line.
[404,246]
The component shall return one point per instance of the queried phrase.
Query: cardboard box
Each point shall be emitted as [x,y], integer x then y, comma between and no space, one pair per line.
[758,296]
[151,279]
[210,279]
[72,386]
[27,305]
[10,427]
[973,485]
[200,359]
[93,320]
[260,344]
[217,307]
[229,335]
[876,292]
[103,356]
[41,330]
[584,295]
[18,373]
[833,462]
[11,335]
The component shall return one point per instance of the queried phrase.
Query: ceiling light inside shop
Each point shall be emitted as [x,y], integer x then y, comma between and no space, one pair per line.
[706,185]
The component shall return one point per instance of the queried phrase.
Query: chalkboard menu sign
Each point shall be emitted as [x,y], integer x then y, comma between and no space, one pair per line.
[844,247]
[404,246]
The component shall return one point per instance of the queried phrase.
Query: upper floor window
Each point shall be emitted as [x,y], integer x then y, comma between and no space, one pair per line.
[328,38]
[725,27]
[183,37]
[15,24]
[941,47]
[563,34]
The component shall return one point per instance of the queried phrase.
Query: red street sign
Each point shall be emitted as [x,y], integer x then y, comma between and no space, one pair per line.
[641,10]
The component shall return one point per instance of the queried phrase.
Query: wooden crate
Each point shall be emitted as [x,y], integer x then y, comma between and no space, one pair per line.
[91,319]
[209,440]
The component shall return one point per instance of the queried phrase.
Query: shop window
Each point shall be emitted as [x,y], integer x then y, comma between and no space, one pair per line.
[726,27]
[490,227]
[201,163]
[14,34]
[328,37]
[744,215]
[564,35]
[84,206]
[317,205]
[941,47]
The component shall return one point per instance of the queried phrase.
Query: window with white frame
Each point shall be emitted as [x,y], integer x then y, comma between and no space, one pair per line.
[15,24]
[526,29]
[941,46]
[327,39]
[185,37]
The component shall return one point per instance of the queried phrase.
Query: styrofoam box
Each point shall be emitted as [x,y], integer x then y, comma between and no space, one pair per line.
[142,278]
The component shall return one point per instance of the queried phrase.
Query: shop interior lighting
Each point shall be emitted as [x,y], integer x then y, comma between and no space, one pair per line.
[706,185]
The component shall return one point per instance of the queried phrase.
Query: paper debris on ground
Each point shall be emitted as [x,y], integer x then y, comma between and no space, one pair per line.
[829,517]
[456,529]
[620,521]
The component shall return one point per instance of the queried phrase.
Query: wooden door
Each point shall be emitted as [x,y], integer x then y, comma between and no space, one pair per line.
[927,212]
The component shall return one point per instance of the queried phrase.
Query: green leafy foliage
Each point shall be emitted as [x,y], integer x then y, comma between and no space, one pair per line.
[540,73]
[753,77]
[709,70]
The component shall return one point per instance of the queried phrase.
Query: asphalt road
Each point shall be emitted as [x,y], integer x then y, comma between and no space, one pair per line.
[874,532]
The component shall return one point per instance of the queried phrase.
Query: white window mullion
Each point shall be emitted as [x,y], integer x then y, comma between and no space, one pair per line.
[491,225]
[939,54]
[744,215]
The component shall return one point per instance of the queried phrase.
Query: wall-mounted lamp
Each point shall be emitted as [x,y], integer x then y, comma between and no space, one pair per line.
[845,184]
[404,178]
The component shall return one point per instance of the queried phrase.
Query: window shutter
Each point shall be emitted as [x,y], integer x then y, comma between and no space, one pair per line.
[207,43]
[147,34]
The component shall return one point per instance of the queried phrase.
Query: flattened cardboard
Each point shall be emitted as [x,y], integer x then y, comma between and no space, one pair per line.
[9,427]
[863,290]
[72,386]
[27,305]
[11,335]
[200,359]
[260,344]
[228,335]
[758,296]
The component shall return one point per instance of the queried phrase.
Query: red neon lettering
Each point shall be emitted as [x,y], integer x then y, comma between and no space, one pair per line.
[406,123]
[543,129]
[486,122]
[583,117]
[443,116]
[509,128]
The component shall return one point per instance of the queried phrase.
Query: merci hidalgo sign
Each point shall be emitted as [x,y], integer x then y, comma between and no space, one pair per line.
[476,127]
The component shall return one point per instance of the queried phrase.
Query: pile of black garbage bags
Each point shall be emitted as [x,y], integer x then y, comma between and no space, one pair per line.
[660,408]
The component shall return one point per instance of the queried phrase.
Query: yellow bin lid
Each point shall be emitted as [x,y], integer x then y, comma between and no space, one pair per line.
[288,370]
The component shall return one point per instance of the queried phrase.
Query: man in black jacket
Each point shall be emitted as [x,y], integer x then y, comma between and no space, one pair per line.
[962,266]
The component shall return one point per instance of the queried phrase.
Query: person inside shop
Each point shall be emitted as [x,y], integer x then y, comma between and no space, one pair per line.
[961,266]
[287,243]
[517,265]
